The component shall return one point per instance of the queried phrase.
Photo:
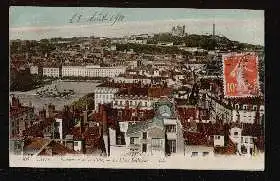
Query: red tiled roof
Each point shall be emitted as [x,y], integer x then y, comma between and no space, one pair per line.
[76,132]
[195,138]
[254,130]
[228,149]
[58,149]
[159,91]
[186,112]
[16,111]
[134,91]
[35,144]
[210,129]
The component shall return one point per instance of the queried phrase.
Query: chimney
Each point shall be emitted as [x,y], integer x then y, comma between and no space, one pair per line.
[197,114]
[51,109]
[81,124]
[15,102]
[104,122]
[42,114]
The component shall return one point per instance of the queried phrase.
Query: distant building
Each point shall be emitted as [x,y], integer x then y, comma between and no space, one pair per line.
[45,147]
[104,95]
[34,70]
[133,98]
[132,79]
[21,117]
[178,31]
[51,71]
[91,71]
[162,135]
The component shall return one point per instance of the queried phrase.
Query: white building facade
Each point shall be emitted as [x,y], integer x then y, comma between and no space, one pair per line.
[51,71]
[34,70]
[91,71]
[133,101]
[104,95]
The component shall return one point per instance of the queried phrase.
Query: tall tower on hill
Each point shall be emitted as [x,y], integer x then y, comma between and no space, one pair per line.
[213,31]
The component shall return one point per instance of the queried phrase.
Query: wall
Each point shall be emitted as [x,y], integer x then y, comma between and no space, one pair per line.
[153,132]
[199,150]
[79,146]
[112,136]
[104,95]
[219,141]
[60,129]
[245,116]
[236,138]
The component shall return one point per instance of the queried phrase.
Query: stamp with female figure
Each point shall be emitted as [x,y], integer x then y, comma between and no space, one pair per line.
[241,75]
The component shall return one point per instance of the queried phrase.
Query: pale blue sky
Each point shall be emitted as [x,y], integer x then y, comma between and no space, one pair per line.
[44,22]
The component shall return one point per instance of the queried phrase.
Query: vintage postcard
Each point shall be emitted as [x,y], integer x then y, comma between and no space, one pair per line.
[136,88]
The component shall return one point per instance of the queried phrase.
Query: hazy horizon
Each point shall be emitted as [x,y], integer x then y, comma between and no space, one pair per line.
[35,23]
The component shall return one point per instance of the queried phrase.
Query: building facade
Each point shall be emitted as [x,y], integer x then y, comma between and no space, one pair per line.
[51,71]
[104,95]
[91,71]
[21,117]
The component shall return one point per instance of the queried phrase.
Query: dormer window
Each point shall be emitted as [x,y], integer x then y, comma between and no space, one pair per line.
[235,133]
[254,108]
[236,106]
[245,107]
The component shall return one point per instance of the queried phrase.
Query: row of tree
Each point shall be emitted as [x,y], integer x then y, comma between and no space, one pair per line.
[86,101]
[24,81]
[151,49]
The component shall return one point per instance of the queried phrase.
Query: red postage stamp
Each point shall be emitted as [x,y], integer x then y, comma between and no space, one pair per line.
[241,75]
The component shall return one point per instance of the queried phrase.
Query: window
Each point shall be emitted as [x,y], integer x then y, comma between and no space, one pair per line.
[156,143]
[121,103]
[245,107]
[235,133]
[144,135]
[241,139]
[217,137]
[134,140]
[205,153]
[251,140]
[246,140]
[254,108]
[236,106]
[172,146]
[170,128]
[194,153]
[76,143]
[146,104]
